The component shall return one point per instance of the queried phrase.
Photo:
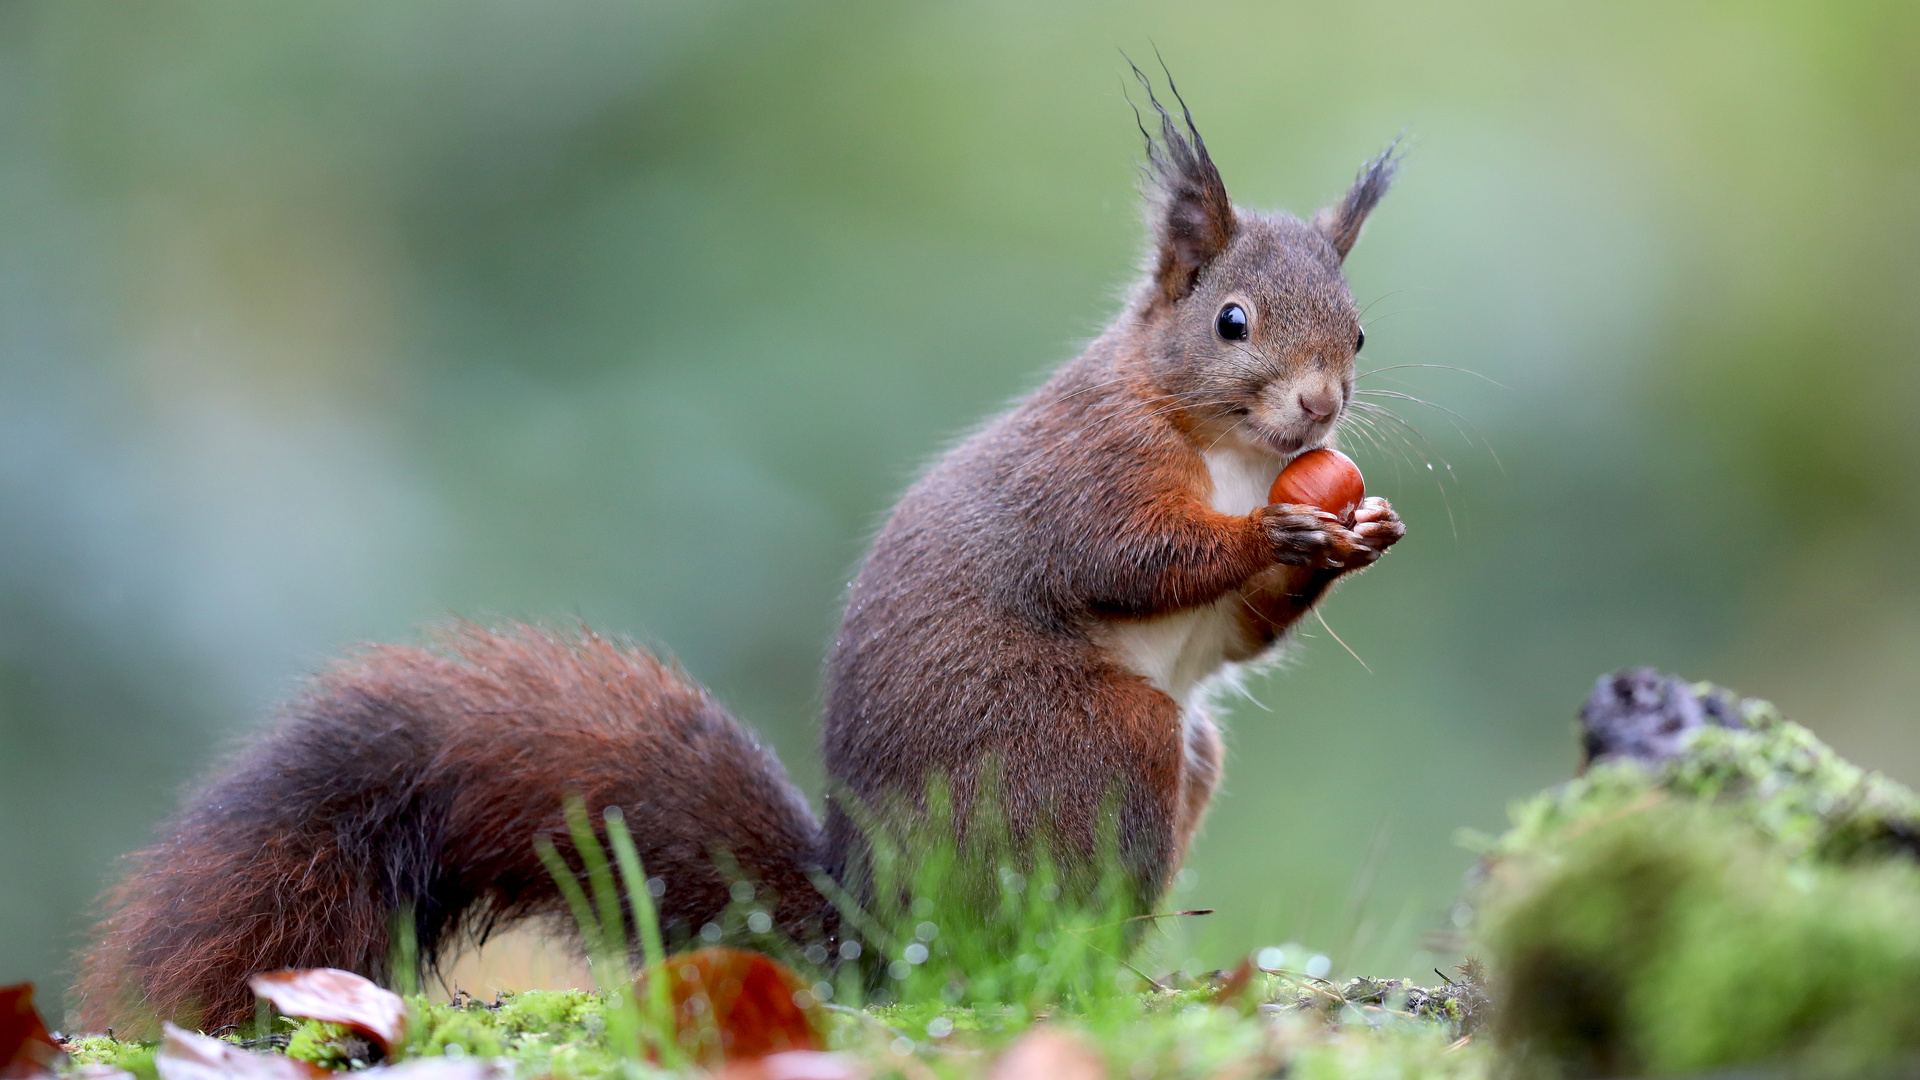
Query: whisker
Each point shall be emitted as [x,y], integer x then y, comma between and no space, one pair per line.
[1260,363]
[1456,416]
[1230,430]
[1121,413]
[1378,319]
[1359,423]
[1183,398]
[1097,386]
[1157,397]
[1104,383]
[1417,444]
[1441,367]
[1336,637]
[1124,406]
[1356,423]
[1396,292]
[1401,428]
[1400,451]
[1225,399]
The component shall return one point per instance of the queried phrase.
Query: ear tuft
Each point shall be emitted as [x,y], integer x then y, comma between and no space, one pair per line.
[1192,216]
[1341,224]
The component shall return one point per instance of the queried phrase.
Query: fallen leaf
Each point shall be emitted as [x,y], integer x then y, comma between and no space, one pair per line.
[1045,1054]
[337,997]
[794,1065]
[1235,985]
[184,1055]
[26,1048]
[731,1004]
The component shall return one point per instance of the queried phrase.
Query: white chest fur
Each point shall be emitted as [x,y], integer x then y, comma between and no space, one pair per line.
[1241,478]
[1180,651]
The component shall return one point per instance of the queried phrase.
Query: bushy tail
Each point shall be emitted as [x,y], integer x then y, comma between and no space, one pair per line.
[416,779]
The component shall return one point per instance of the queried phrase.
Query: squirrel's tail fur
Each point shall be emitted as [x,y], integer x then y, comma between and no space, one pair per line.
[416,779]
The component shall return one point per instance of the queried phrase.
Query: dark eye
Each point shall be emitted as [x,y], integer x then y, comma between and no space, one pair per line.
[1359,340]
[1232,323]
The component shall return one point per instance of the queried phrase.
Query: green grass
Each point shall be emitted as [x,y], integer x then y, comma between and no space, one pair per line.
[1160,1035]
[1754,903]
[632,1031]
[960,948]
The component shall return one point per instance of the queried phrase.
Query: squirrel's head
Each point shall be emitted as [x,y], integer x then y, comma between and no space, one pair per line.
[1246,317]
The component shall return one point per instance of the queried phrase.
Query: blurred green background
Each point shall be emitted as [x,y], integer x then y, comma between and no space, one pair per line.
[319,323]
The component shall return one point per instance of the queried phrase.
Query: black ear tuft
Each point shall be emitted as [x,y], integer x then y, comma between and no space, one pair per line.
[1192,216]
[1341,224]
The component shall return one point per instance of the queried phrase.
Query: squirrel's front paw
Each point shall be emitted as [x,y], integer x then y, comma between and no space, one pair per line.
[1378,528]
[1309,536]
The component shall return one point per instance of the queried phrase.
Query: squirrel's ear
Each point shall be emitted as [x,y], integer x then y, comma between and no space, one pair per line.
[1191,214]
[1341,224]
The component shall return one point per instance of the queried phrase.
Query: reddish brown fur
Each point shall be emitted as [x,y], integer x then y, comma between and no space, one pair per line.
[977,629]
[408,775]
[988,624]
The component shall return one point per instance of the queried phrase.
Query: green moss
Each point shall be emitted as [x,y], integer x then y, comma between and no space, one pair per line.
[1773,774]
[473,1031]
[330,1046]
[1186,1040]
[1162,1035]
[1396,1053]
[546,1012]
[136,1058]
[557,1033]
[1679,938]
[1750,901]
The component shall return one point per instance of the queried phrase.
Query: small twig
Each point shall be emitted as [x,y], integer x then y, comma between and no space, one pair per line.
[1341,998]
[1151,981]
[1323,988]
[1159,915]
[1295,974]
[1171,914]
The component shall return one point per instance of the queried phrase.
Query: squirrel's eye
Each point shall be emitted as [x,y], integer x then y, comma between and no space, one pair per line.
[1232,323]
[1359,340]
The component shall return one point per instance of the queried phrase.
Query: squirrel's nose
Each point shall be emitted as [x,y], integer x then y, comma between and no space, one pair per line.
[1319,405]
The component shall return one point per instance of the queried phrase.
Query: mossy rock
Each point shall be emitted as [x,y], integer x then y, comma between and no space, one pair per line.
[1748,898]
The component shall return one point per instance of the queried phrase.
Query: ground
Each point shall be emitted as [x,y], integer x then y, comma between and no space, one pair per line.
[1714,891]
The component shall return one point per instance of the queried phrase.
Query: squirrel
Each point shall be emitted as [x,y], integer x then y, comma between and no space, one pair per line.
[1056,595]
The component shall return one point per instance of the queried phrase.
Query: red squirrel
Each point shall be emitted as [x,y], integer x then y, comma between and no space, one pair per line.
[1055,596]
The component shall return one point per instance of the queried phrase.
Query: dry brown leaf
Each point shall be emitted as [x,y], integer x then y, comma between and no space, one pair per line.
[26,1047]
[732,1004]
[337,997]
[184,1055]
[1045,1054]
[1236,984]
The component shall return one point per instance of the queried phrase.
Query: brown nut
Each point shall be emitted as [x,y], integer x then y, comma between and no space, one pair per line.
[1324,478]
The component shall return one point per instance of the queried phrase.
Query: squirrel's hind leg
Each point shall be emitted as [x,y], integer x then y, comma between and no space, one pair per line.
[1205,758]
[1126,741]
